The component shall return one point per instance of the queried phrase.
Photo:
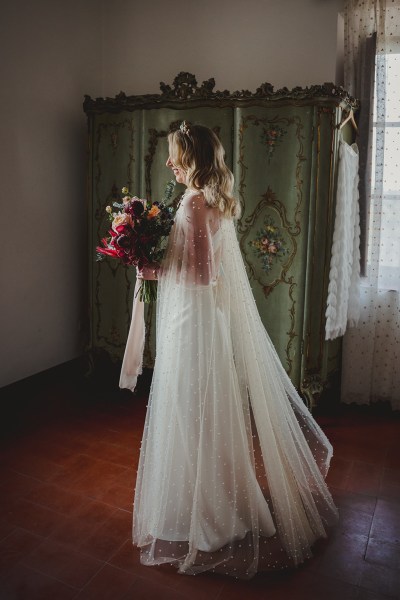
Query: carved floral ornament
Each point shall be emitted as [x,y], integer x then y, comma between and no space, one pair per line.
[185,91]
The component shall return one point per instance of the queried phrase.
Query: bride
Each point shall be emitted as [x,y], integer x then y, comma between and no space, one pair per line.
[232,468]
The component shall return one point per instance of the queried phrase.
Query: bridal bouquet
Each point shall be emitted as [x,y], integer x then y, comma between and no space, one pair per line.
[138,234]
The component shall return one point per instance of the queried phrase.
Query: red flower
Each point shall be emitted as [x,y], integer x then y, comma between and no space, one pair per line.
[107,251]
[135,208]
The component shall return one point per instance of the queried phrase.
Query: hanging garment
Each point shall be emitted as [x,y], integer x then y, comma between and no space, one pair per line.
[343,307]
[232,468]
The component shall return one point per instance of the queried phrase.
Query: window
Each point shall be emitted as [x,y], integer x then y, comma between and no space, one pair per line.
[384,232]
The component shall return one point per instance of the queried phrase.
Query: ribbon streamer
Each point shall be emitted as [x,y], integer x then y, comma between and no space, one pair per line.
[132,362]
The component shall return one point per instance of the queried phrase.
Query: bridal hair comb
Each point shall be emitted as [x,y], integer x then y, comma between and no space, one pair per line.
[184,127]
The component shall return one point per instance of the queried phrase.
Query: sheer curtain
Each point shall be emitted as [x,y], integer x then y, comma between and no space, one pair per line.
[371,351]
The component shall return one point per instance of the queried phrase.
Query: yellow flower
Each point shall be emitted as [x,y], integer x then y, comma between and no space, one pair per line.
[125,190]
[108,209]
[153,212]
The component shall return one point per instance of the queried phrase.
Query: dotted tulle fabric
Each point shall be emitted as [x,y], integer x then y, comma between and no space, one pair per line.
[231,476]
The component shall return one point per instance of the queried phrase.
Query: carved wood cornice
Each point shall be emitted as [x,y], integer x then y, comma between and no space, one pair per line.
[185,93]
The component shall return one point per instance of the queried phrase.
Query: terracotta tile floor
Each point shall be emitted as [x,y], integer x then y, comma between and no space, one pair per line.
[68,460]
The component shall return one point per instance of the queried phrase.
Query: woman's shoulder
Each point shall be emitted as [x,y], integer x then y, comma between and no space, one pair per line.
[197,210]
[193,200]
[192,195]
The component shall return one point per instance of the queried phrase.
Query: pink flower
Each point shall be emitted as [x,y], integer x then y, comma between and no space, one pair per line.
[121,219]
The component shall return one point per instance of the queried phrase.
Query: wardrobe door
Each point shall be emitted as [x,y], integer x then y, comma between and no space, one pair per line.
[114,163]
[272,167]
[321,368]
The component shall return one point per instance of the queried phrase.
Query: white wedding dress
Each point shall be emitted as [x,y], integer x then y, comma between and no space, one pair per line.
[232,468]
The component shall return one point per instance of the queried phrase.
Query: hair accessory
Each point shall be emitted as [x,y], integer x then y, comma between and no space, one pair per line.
[184,127]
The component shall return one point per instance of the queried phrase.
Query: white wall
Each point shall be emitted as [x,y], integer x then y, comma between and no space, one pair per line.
[50,57]
[52,53]
[241,43]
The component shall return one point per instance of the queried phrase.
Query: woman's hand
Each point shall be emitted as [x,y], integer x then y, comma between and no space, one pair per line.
[149,272]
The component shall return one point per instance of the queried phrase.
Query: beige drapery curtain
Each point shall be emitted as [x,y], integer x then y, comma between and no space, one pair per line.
[371,351]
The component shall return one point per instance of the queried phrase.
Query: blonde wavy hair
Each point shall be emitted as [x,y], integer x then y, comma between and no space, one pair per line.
[198,151]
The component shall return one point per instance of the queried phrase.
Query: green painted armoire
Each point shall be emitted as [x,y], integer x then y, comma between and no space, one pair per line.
[282,147]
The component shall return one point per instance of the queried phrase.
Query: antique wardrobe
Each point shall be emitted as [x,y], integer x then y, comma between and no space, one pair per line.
[282,147]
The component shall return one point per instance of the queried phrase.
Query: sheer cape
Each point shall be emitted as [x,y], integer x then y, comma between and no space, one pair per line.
[232,468]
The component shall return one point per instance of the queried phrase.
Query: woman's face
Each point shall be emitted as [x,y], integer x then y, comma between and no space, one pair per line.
[180,174]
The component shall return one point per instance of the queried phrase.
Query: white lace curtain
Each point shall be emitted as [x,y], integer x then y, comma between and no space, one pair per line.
[371,351]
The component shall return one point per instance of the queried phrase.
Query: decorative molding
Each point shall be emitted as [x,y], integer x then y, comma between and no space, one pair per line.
[154,136]
[290,224]
[244,228]
[311,388]
[185,92]
[109,133]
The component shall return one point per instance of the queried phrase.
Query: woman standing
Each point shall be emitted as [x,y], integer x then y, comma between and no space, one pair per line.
[232,468]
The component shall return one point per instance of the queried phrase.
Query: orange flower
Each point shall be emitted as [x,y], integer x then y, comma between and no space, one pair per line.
[153,212]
